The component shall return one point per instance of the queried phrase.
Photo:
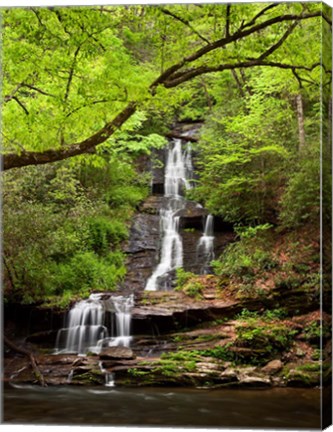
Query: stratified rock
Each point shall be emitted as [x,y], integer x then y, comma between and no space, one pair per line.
[229,376]
[255,381]
[192,215]
[272,367]
[152,204]
[116,353]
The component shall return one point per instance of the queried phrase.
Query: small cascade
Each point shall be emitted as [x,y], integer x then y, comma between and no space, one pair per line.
[122,306]
[205,247]
[90,324]
[70,376]
[109,376]
[177,178]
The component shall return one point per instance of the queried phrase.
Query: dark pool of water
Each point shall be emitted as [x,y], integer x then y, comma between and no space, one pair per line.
[274,408]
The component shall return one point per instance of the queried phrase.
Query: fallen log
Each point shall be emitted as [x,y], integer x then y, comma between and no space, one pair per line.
[39,376]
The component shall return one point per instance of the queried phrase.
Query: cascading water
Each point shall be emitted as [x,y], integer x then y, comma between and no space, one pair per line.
[178,173]
[122,306]
[205,247]
[87,324]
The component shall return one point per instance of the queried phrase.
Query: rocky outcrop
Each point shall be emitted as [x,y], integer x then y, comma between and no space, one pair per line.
[143,246]
[210,354]
[116,353]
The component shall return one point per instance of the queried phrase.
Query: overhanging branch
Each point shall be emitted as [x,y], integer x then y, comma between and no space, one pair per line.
[14,160]
[220,43]
[171,77]
[190,74]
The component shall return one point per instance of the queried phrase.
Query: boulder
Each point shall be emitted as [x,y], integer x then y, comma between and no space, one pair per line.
[113,353]
[255,381]
[272,367]
[229,376]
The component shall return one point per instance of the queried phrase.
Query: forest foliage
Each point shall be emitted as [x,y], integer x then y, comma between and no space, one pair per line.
[92,89]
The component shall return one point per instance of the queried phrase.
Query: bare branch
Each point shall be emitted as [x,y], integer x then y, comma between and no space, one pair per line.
[176,76]
[71,72]
[86,105]
[37,89]
[183,21]
[7,98]
[262,12]
[16,99]
[227,21]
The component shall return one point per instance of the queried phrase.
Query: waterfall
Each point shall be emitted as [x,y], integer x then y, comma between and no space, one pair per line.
[123,307]
[205,247]
[87,330]
[178,173]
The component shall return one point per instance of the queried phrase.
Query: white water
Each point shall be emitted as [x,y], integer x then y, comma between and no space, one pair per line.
[205,247]
[178,172]
[87,330]
[109,376]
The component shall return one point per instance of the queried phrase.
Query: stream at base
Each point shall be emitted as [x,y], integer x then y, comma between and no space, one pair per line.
[273,408]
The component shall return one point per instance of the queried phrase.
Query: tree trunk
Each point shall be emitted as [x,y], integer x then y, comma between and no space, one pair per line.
[300,119]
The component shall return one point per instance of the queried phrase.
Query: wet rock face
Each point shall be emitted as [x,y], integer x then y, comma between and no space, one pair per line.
[143,246]
[141,250]
[116,353]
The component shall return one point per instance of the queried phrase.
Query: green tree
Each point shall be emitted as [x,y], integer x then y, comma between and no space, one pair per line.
[74,76]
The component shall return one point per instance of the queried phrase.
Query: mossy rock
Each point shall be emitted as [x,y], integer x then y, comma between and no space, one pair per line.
[92,377]
[300,378]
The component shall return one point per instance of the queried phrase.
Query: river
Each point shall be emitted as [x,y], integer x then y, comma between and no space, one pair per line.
[269,408]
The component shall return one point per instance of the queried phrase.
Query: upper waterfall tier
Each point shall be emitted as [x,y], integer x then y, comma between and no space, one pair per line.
[177,178]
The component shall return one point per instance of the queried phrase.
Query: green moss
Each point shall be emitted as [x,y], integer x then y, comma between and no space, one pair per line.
[92,377]
[300,378]
[310,367]
[135,372]
[187,283]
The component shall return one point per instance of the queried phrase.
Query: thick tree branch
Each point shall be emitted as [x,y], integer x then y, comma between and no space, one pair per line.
[190,74]
[220,43]
[267,53]
[13,160]
[279,43]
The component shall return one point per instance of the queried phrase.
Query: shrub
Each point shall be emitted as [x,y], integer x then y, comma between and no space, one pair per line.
[188,284]
[271,338]
[86,271]
[300,201]
[244,258]
[182,277]
[105,232]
